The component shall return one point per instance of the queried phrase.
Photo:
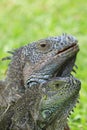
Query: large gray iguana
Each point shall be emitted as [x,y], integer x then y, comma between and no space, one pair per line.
[39,91]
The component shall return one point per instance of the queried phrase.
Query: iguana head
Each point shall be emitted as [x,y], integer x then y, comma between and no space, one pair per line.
[50,64]
[51,57]
[58,99]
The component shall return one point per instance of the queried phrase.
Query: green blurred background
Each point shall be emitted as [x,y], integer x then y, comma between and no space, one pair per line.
[24,21]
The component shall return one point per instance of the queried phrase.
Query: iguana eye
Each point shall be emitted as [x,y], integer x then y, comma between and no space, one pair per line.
[46,114]
[44,46]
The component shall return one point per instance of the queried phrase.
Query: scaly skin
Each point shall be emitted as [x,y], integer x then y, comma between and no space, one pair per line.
[59,98]
[45,106]
[29,89]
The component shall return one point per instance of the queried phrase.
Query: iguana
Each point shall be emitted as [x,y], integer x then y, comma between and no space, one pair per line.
[39,90]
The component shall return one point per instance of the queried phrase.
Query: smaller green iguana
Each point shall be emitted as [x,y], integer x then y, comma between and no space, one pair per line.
[39,91]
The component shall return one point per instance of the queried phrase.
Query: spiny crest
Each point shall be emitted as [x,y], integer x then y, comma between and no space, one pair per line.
[8,57]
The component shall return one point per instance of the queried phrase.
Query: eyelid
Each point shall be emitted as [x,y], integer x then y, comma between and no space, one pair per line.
[44,46]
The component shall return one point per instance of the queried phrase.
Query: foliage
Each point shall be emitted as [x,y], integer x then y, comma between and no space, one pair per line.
[23,21]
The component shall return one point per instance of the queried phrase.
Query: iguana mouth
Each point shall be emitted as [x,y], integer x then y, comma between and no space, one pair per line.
[74,46]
